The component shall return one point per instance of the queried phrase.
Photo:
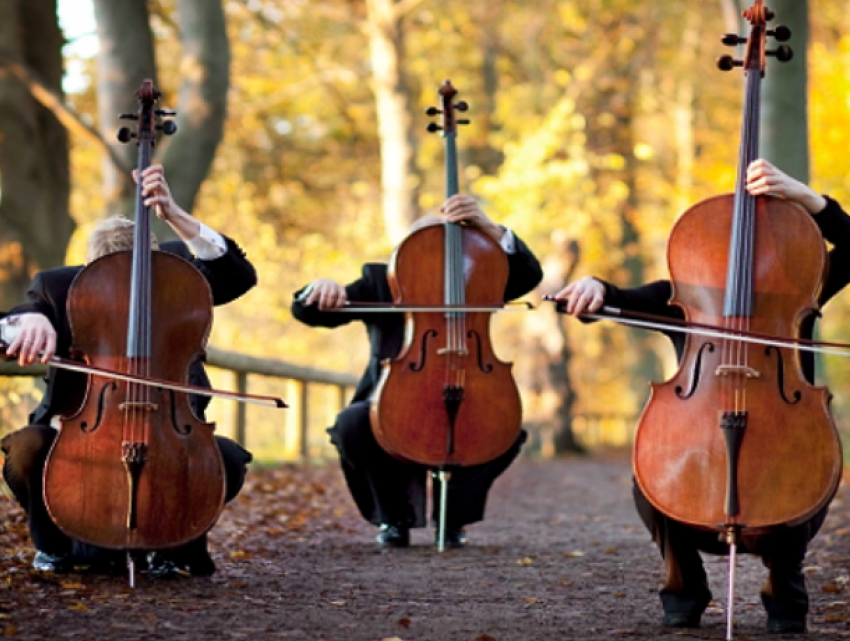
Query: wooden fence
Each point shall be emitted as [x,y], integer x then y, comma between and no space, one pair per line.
[241,366]
[591,430]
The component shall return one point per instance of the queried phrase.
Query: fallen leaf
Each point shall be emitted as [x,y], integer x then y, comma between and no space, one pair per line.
[72,585]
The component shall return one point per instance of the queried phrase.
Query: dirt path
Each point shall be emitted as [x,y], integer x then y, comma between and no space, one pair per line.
[562,555]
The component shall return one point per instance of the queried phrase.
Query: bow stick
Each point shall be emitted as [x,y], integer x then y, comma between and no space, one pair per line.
[375,308]
[76,366]
[650,321]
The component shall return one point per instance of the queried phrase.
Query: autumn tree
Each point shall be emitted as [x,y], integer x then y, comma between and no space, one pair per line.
[127,57]
[34,148]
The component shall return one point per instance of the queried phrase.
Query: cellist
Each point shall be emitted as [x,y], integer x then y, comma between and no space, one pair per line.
[39,329]
[390,493]
[685,594]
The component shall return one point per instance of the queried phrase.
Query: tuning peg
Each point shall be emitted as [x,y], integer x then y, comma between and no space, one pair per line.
[165,112]
[433,126]
[462,105]
[168,127]
[465,121]
[727,63]
[432,111]
[782,53]
[781,33]
[129,116]
[732,40]
[125,135]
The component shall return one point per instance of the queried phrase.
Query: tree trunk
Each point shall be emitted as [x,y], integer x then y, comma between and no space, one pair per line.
[205,72]
[399,175]
[125,59]
[35,224]
[784,138]
[202,103]
[563,438]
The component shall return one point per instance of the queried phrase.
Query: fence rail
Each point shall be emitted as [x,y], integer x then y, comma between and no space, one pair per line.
[241,366]
[591,429]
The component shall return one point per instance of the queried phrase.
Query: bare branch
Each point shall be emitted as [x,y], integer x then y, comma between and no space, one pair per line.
[51,101]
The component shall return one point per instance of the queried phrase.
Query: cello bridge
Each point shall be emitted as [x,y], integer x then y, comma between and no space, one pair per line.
[459,351]
[145,406]
[737,370]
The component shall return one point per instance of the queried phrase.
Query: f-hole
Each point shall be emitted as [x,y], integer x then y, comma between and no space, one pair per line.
[695,373]
[423,348]
[780,376]
[486,368]
[101,401]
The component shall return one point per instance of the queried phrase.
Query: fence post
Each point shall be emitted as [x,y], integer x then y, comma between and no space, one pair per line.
[240,409]
[303,422]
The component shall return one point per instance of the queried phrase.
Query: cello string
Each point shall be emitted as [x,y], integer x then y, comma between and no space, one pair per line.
[754,100]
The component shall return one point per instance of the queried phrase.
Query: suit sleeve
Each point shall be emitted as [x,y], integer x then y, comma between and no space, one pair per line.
[834,224]
[37,301]
[230,276]
[524,271]
[652,298]
[371,287]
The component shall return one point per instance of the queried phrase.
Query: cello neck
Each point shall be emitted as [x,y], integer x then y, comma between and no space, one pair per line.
[454,289]
[738,300]
[139,317]
[453,273]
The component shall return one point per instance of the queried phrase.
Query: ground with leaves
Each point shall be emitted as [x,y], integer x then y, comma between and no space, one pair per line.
[562,555]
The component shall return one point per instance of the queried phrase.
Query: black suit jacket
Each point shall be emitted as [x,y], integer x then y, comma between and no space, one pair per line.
[386,331]
[229,276]
[653,298]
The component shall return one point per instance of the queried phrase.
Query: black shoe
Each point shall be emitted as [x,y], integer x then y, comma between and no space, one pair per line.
[393,536]
[201,564]
[786,626]
[161,567]
[453,538]
[680,620]
[58,563]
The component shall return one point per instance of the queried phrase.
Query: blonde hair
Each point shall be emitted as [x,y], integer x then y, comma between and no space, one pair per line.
[113,234]
[427,220]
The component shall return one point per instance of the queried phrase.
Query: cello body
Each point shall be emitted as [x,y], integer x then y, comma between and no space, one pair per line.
[409,413]
[447,400]
[788,460]
[134,468]
[739,440]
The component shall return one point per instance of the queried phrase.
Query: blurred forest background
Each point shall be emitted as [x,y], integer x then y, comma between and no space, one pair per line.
[594,124]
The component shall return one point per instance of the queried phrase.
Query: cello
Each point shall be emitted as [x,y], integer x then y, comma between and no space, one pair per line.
[133,468]
[447,401]
[738,440]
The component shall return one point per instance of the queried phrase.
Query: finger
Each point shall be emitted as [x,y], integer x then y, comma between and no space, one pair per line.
[15,345]
[312,297]
[325,300]
[564,293]
[595,302]
[49,347]
[26,354]
[574,302]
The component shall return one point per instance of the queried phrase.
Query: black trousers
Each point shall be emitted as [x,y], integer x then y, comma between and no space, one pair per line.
[781,550]
[26,451]
[387,490]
